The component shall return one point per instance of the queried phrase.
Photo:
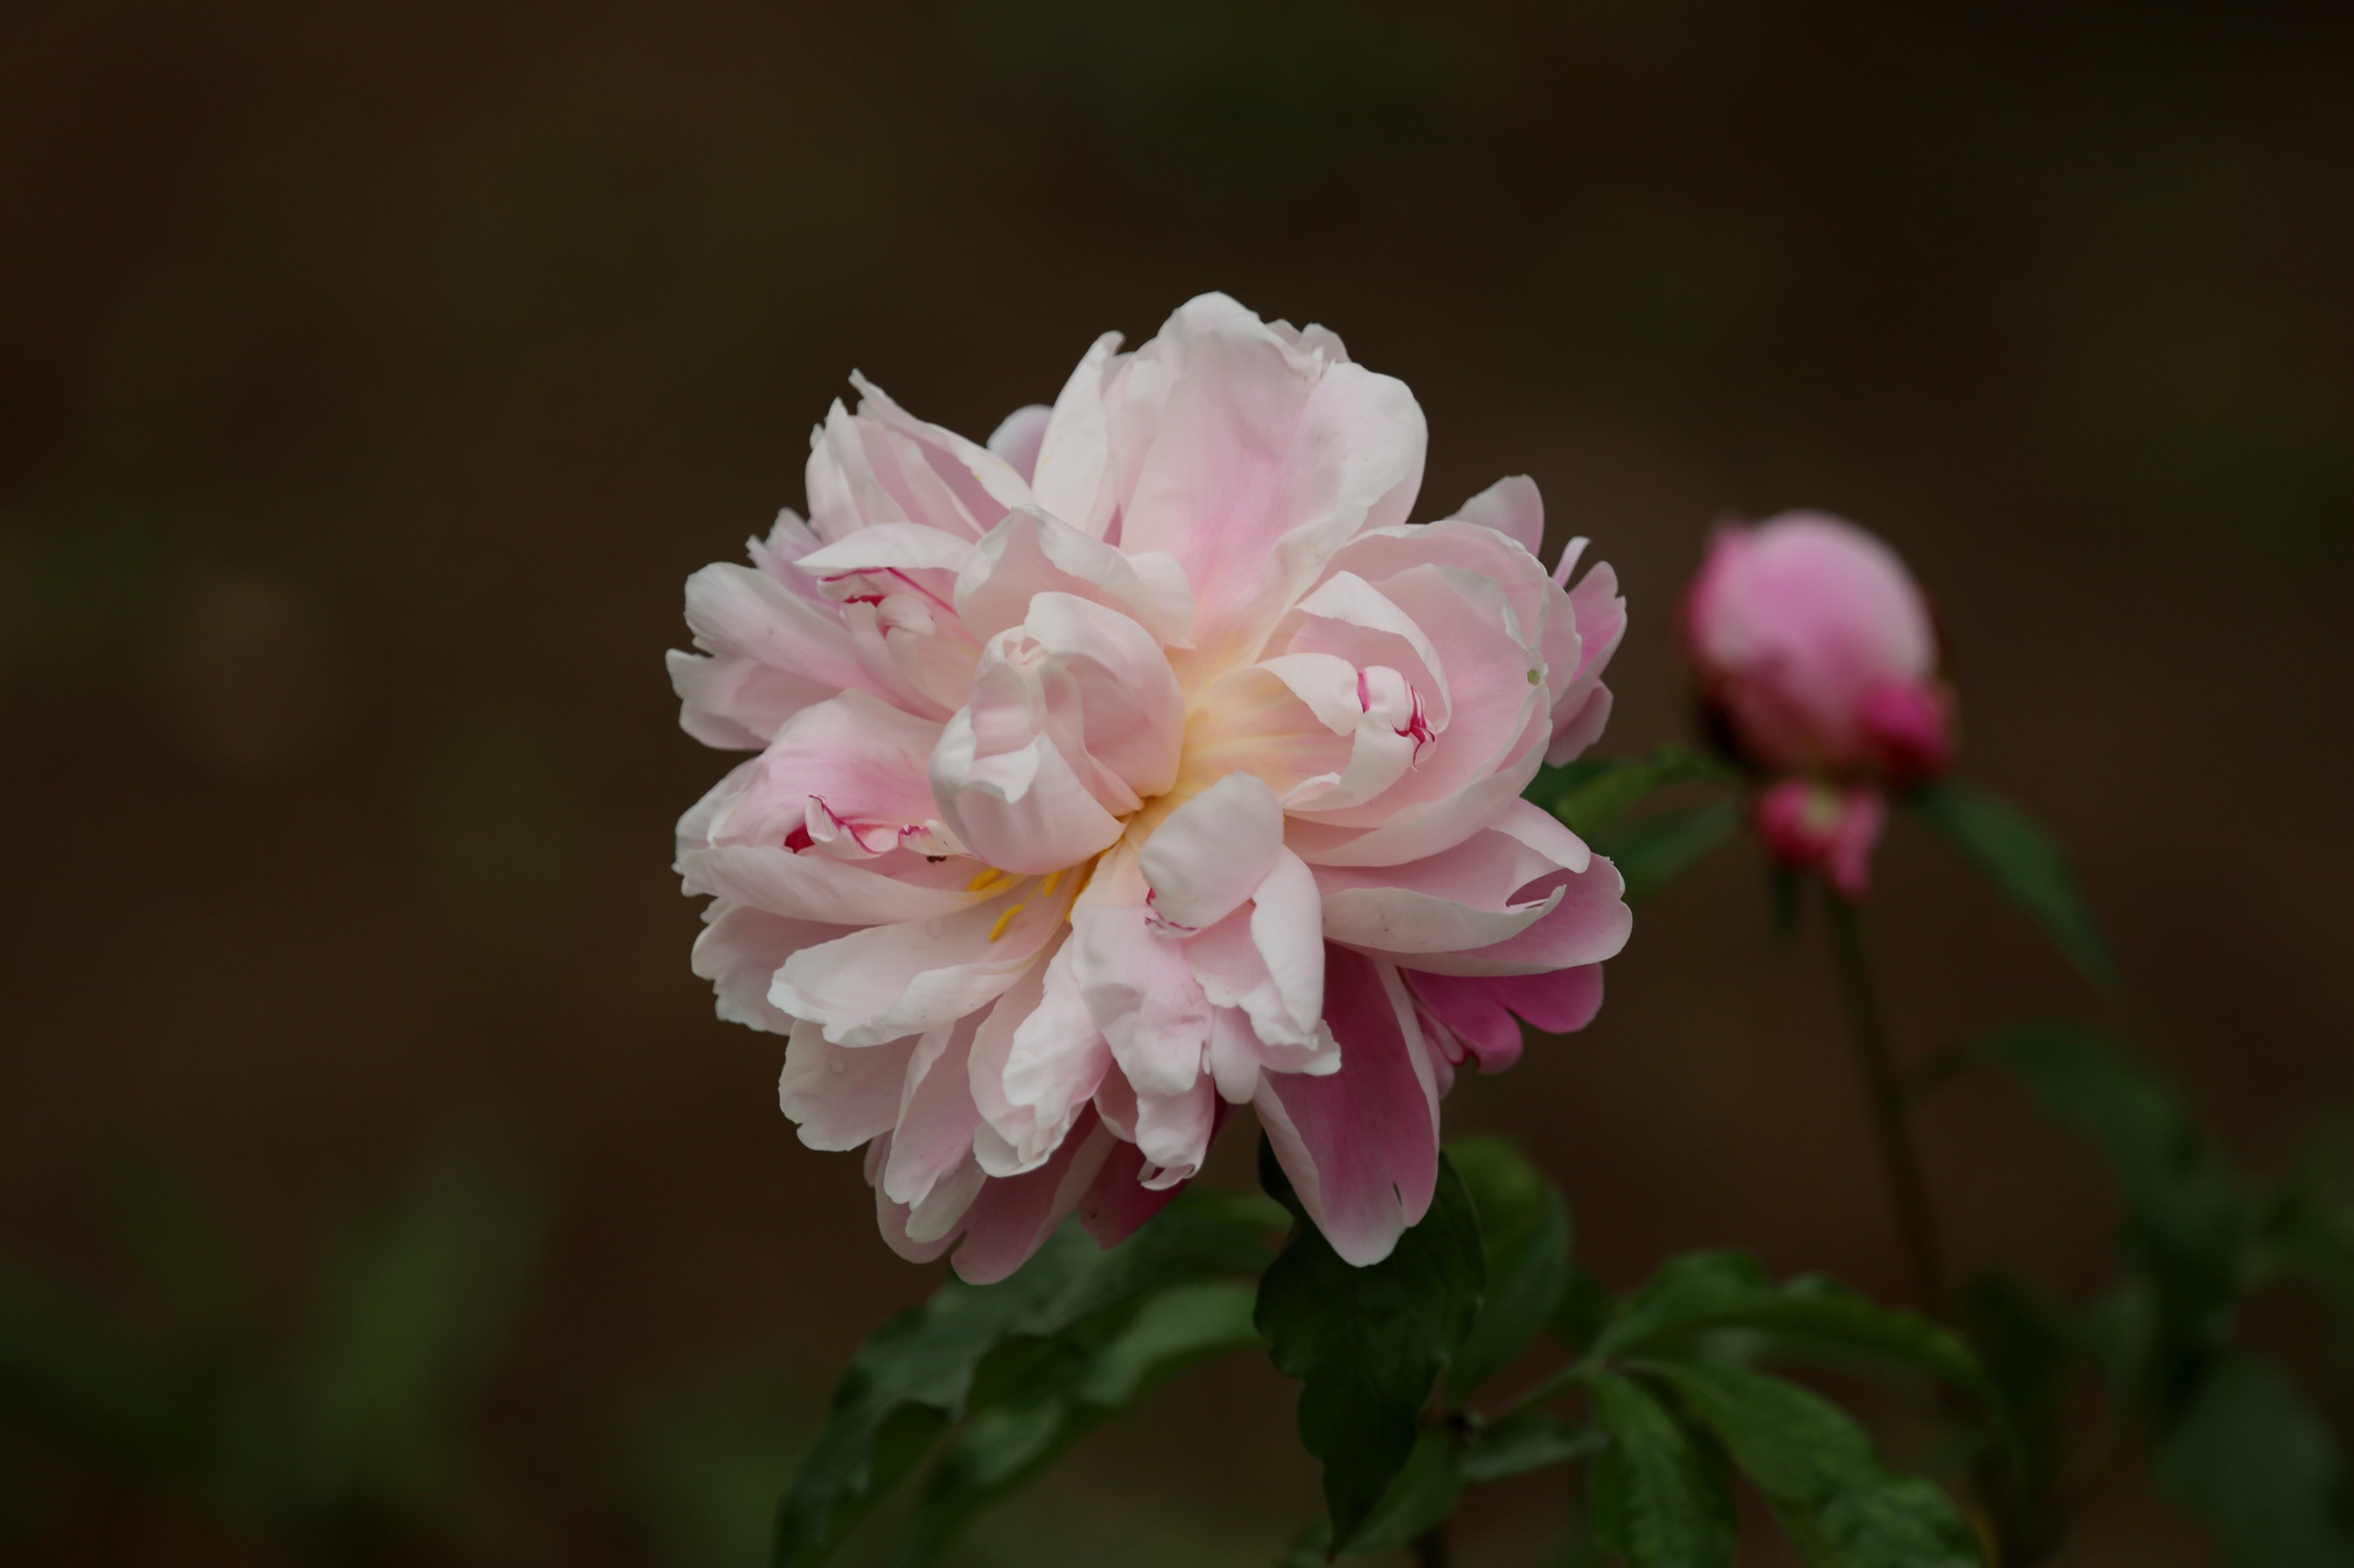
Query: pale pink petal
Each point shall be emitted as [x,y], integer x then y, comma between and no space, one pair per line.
[1512,508]
[889,548]
[1024,809]
[882,465]
[940,1216]
[820,888]
[1211,854]
[894,1219]
[740,951]
[1035,1063]
[1267,453]
[866,761]
[1287,928]
[1262,720]
[1468,897]
[840,1095]
[1581,703]
[1428,827]
[1031,553]
[1349,618]
[1123,704]
[734,702]
[885,982]
[1075,718]
[1019,436]
[1173,1131]
[933,1133]
[736,612]
[1588,923]
[1360,1146]
[1139,987]
[1073,479]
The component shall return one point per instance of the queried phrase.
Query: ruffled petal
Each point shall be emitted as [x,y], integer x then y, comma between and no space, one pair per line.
[1211,854]
[740,951]
[1267,451]
[1031,553]
[1019,436]
[884,982]
[838,1096]
[1074,719]
[1136,980]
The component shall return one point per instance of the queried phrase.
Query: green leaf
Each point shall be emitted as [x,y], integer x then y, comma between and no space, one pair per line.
[1704,1292]
[2080,1079]
[912,1378]
[1575,1322]
[1652,851]
[1533,1440]
[1062,1390]
[2190,1229]
[1657,1496]
[2025,863]
[1422,1496]
[2258,1465]
[1368,1344]
[1592,793]
[1816,1468]
[1524,1228]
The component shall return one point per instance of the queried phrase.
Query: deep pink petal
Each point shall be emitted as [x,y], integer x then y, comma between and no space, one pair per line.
[1360,1146]
[1014,1215]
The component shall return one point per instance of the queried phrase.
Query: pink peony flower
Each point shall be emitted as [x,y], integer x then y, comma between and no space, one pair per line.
[1818,651]
[1142,763]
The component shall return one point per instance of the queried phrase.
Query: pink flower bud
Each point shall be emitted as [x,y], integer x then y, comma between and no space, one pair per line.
[1808,825]
[1818,651]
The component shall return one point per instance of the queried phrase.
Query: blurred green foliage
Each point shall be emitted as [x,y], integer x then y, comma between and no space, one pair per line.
[352,1420]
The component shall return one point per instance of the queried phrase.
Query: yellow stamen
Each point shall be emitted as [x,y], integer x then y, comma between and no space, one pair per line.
[1048,885]
[1006,919]
[990,877]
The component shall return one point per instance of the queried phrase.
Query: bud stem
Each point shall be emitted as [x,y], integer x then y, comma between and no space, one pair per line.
[1885,1099]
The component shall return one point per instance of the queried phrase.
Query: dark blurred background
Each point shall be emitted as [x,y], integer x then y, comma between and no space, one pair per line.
[371,379]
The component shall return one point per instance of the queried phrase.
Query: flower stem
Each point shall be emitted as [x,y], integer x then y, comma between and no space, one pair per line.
[1884,1097]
